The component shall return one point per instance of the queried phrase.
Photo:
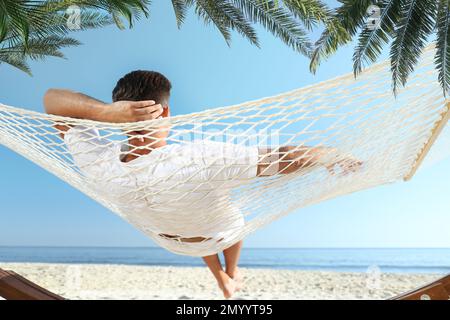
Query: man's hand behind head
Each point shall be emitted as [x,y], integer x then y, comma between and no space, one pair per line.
[132,111]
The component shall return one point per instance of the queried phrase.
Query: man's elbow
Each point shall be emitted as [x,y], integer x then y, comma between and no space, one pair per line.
[51,97]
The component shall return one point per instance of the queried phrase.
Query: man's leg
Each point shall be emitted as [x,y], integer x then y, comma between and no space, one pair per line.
[232,255]
[226,284]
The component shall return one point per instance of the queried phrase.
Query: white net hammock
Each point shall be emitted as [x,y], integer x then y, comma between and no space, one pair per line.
[207,200]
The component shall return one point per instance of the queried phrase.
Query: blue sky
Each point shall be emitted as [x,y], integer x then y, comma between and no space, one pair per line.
[38,209]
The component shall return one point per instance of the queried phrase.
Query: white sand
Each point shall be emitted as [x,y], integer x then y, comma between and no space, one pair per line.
[139,282]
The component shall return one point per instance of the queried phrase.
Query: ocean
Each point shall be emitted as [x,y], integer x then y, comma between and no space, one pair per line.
[354,260]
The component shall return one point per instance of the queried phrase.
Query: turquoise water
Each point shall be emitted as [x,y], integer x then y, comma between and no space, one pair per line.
[388,260]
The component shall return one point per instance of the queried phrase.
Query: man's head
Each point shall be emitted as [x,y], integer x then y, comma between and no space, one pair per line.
[143,85]
[140,86]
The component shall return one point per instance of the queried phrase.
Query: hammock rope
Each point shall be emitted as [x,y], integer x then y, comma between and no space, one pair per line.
[220,193]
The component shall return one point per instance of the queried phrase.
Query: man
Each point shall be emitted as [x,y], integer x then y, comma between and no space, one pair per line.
[195,207]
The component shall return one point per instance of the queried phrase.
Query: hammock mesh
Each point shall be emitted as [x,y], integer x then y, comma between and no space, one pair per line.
[356,117]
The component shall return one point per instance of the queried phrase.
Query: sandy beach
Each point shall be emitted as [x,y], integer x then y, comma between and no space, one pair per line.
[154,282]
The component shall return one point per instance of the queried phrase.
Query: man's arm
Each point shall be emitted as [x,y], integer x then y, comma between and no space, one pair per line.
[71,104]
[289,159]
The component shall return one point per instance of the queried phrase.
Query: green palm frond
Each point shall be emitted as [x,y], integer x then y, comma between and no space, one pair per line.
[442,58]
[22,15]
[340,28]
[334,36]
[225,17]
[405,25]
[39,48]
[13,15]
[310,12]
[372,40]
[16,53]
[56,27]
[413,29]
[180,8]
[278,20]
[129,9]
[17,60]
[39,29]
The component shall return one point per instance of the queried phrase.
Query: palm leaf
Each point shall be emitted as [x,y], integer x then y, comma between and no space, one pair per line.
[372,40]
[13,14]
[180,8]
[15,60]
[226,17]
[277,20]
[57,26]
[44,30]
[413,29]
[339,29]
[39,48]
[442,58]
[310,12]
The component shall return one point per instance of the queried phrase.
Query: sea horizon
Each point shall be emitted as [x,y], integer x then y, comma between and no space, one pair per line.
[389,260]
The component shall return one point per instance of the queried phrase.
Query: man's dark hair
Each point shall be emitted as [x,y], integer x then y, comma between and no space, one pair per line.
[142,85]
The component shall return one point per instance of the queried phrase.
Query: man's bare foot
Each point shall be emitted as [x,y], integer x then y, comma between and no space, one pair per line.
[228,286]
[237,277]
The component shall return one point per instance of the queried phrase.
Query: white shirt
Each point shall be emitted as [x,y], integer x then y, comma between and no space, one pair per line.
[179,189]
